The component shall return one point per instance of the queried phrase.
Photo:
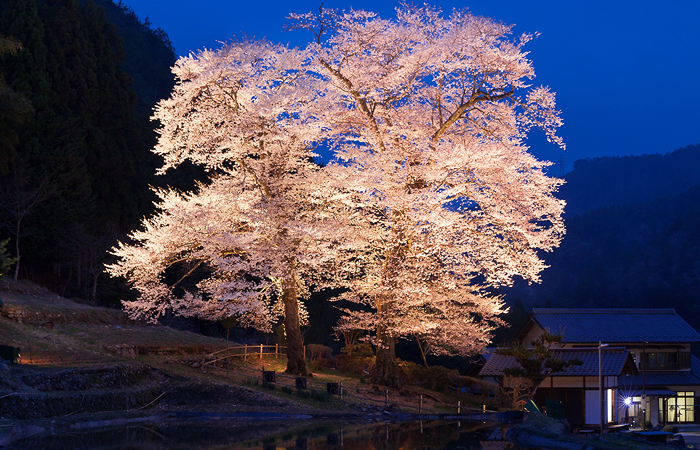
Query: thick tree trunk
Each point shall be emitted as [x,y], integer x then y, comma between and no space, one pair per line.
[296,363]
[386,370]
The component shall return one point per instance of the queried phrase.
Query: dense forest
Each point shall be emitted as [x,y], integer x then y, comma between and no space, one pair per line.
[79,81]
[633,237]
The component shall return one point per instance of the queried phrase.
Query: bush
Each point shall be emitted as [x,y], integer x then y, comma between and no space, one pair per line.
[359,349]
[358,364]
[320,396]
[287,390]
[6,261]
[321,363]
[436,378]
[317,351]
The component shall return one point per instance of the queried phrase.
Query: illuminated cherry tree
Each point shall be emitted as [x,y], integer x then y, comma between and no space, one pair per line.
[428,116]
[432,200]
[254,234]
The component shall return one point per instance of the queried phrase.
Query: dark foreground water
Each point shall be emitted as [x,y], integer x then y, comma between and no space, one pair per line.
[278,435]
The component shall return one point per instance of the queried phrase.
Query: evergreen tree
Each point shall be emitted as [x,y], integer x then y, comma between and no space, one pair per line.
[77,180]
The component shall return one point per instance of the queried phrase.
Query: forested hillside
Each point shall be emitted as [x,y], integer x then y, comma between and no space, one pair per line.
[620,180]
[78,169]
[640,250]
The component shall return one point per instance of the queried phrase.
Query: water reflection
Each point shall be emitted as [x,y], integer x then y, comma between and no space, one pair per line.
[283,435]
[395,436]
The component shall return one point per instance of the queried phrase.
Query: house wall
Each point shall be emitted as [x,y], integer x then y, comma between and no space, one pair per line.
[560,382]
[655,413]
[593,406]
[562,388]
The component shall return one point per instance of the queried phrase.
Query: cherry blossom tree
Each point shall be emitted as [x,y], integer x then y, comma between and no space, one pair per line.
[433,198]
[428,116]
[253,236]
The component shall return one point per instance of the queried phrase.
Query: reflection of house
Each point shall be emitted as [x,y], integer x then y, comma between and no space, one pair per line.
[648,352]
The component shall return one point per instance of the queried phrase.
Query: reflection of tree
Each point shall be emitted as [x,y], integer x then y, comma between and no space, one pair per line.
[385,436]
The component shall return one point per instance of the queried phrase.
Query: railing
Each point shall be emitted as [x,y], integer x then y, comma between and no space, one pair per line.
[251,351]
[333,389]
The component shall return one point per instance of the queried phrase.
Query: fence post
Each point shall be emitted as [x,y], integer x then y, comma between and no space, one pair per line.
[386,398]
[484,408]
[305,352]
[340,389]
[459,406]
[245,352]
[420,406]
[277,346]
[260,351]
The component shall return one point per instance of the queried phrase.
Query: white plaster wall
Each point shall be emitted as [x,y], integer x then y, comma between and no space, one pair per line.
[532,335]
[653,409]
[592,407]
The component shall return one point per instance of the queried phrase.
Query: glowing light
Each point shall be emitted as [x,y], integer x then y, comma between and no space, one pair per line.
[628,401]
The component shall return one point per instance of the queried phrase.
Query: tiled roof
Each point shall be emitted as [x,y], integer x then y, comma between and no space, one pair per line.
[678,378]
[613,363]
[615,325]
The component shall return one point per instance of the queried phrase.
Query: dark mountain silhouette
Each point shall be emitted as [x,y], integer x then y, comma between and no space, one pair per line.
[621,180]
[633,237]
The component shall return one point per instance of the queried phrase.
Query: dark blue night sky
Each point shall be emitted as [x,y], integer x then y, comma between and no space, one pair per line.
[626,73]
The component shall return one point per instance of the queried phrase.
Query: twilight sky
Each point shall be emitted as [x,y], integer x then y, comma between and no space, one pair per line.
[626,72]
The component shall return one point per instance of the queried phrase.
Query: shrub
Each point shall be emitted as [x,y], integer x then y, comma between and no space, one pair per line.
[360,365]
[303,393]
[317,351]
[320,363]
[358,349]
[436,378]
[6,261]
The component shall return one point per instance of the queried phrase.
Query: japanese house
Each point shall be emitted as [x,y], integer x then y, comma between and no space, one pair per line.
[647,365]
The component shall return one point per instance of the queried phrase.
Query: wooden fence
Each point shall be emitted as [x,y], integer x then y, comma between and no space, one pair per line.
[249,351]
[221,360]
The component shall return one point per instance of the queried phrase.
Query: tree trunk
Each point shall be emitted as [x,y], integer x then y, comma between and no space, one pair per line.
[94,287]
[296,363]
[386,371]
[422,352]
[17,255]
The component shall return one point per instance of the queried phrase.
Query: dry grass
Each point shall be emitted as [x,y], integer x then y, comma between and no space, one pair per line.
[54,331]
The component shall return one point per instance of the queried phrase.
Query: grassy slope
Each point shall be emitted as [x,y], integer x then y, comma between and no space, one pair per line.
[57,334]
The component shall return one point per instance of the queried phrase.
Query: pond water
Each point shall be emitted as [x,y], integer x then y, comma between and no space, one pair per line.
[277,435]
